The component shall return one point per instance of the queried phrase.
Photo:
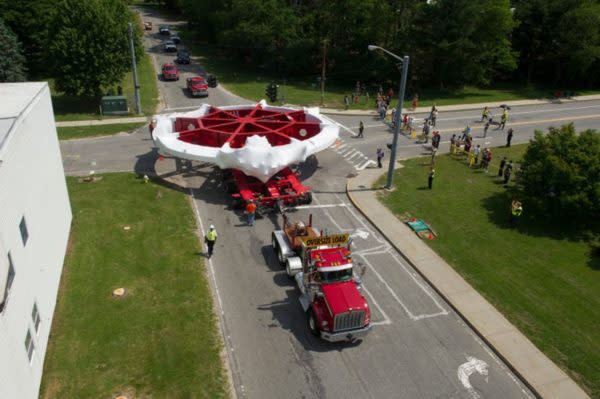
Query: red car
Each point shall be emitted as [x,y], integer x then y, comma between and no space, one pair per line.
[170,72]
[197,86]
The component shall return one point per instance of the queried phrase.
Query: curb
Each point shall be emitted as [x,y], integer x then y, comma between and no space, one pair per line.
[497,351]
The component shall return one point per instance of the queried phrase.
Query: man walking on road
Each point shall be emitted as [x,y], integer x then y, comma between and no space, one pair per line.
[361,129]
[485,128]
[509,137]
[379,157]
[503,119]
[210,238]
[251,211]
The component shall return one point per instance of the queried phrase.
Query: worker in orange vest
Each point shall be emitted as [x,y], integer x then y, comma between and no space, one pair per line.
[251,211]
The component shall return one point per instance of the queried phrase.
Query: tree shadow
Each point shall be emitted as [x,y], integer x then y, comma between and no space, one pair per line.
[594,261]
[498,211]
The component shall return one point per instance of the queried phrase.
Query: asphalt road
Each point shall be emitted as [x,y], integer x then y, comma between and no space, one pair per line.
[524,120]
[418,347]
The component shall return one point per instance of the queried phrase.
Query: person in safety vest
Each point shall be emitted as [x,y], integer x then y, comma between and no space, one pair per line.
[516,209]
[251,211]
[210,238]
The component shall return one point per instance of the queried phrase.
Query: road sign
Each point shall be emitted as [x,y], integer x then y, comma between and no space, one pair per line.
[337,239]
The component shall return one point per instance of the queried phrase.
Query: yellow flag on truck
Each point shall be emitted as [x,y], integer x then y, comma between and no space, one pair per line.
[337,239]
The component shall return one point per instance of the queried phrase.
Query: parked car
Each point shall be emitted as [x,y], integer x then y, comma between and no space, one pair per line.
[164,30]
[183,57]
[197,86]
[176,39]
[170,72]
[170,47]
[147,25]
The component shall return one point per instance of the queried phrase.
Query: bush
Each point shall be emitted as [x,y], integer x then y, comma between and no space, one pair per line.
[561,174]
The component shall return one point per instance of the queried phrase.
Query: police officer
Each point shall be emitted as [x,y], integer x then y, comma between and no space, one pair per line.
[210,239]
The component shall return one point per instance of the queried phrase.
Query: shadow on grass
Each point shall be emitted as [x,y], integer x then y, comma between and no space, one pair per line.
[498,210]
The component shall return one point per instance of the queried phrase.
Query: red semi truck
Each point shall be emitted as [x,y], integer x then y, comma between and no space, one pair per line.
[330,291]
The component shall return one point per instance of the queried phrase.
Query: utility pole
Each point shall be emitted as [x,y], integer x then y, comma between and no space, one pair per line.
[390,176]
[138,101]
[323,66]
[404,61]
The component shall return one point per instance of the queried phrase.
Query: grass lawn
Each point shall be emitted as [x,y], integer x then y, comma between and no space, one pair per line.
[72,108]
[541,277]
[251,83]
[77,132]
[160,340]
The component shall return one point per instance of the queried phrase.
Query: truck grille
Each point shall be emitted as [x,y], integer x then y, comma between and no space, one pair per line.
[349,320]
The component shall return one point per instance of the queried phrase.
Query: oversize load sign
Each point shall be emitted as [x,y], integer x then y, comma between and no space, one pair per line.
[338,239]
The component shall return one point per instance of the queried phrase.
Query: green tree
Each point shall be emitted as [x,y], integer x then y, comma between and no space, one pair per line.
[89,50]
[12,62]
[462,41]
[561,174]
[29,20]
[558,36]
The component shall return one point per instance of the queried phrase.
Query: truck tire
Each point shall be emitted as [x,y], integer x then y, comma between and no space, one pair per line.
[308,199]
[277,250]
[311,320]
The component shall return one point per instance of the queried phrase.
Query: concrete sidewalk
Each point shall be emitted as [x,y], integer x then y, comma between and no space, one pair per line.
[97,122]
[464,107]
[537,371]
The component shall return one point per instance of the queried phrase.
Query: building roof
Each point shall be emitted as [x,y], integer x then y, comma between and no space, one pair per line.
[15,98]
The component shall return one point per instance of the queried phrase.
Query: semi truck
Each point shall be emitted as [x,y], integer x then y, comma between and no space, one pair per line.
[330,290]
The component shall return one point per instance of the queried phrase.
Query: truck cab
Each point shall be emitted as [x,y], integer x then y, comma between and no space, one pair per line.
[330,290]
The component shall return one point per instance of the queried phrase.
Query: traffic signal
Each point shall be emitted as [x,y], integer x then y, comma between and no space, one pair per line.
[271,92]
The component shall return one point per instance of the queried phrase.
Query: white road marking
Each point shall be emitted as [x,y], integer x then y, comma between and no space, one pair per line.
[389,250]
[465,370]
[386,320]
[360,233]
[321,206]
[340,125]
[364,166]
[210,263]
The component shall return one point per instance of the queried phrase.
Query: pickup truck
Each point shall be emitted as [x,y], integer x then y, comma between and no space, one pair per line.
[197,86]
[170,72]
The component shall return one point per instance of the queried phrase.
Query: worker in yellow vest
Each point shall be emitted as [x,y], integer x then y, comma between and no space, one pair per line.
[516,209]
[210,238]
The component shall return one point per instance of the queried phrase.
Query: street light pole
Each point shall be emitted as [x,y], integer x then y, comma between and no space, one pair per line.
[136,86]
[404,61]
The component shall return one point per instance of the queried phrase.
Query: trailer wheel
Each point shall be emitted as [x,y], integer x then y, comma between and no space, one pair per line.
[312,322]
[277,250]
[308,199]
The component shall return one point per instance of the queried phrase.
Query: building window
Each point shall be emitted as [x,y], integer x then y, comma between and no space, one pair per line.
[35,317]
[29,345]
[24,232]
[9,281]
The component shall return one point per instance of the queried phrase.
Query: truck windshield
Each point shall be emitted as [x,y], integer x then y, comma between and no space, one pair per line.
[336,276]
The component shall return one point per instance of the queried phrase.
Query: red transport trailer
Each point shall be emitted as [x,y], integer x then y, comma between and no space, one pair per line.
[282,190]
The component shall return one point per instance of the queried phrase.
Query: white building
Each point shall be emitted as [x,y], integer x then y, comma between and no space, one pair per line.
[35,219]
